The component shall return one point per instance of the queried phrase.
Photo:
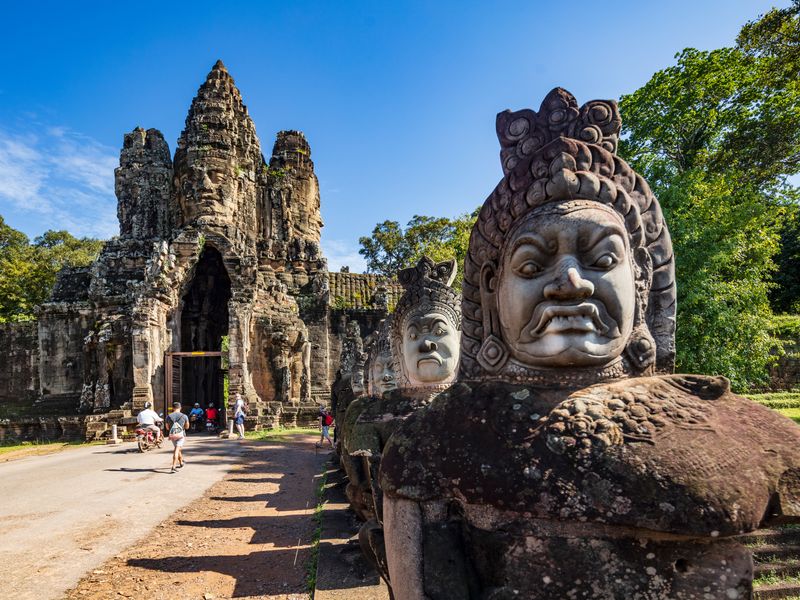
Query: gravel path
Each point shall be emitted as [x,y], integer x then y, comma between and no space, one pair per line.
[248,536]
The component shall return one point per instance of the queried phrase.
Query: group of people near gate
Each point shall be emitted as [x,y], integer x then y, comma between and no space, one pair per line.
[178,424]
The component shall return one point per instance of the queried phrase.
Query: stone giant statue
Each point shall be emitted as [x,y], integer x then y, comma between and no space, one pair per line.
[382,379]
[425,349]
[567,461]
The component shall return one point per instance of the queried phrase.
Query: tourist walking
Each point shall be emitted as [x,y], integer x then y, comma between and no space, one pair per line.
[325,422]
[239,411]
[178,424]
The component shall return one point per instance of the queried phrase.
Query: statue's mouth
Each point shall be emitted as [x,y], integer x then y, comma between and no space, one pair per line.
[429,359]
[565,318]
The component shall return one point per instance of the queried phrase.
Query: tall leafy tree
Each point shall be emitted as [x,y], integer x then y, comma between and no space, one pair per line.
[392,247]
[717,135]
[28,270]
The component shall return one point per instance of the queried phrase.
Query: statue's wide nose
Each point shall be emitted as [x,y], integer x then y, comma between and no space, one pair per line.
[568,284]
[427,346]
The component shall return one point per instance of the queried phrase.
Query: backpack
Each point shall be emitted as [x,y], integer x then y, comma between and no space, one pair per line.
[327,420]
[175,431]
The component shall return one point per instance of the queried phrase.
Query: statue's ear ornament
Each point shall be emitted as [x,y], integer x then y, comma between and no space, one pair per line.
[641,348]
[493,354]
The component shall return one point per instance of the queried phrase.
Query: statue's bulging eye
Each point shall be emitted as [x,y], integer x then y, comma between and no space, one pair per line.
[605,262]
[440,331]
[528,269]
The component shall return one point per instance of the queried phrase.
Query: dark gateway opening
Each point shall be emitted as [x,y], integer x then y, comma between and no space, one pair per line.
[204,322]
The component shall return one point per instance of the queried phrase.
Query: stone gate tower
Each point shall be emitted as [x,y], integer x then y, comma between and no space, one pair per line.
[216,244]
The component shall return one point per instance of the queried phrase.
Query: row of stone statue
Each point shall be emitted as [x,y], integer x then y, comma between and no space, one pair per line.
[527,438]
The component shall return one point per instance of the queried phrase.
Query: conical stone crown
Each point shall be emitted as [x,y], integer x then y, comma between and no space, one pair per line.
[218,123]
[218,160]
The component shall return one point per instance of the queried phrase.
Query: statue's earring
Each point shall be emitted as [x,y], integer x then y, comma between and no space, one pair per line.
[641,348]
[493,353]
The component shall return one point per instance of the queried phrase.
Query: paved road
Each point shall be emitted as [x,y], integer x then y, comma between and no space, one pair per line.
[64,514]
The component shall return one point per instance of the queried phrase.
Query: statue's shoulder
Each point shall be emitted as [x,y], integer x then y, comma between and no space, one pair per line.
[675,453]
[690,455]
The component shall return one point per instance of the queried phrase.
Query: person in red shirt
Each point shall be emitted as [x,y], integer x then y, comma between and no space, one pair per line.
[212,414]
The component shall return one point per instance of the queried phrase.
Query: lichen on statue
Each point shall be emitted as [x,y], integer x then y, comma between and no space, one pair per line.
[567,438]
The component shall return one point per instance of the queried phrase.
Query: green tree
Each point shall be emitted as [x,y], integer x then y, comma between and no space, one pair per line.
[391,247]
[28,270]
[718,136]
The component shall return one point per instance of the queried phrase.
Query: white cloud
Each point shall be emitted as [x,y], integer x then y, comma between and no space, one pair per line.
[66,178]
[341,254]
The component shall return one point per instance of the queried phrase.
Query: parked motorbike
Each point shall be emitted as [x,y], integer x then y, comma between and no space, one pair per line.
[146,439]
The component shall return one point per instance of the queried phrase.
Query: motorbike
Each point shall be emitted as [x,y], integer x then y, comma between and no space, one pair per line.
[211,426]
[146,439]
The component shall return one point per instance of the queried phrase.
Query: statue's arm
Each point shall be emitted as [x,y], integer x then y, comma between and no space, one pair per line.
[403,520]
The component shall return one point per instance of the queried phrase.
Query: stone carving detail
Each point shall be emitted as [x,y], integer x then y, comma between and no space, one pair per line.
[566,437]
[382,373]
[599,417]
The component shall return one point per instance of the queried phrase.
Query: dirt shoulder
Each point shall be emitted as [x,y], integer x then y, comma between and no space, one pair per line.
[15,453]
[248,537]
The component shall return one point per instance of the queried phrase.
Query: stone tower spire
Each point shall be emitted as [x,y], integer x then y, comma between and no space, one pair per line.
[143,183]
[218,159]
[294,194]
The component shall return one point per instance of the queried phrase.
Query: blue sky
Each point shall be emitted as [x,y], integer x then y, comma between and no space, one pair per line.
[397,99]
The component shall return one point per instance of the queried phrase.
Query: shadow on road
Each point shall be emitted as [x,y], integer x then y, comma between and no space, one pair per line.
[288,526]
[165,470]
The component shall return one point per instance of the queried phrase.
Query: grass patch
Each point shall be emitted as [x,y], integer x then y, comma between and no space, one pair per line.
[280,435]
[311,566]
[792,413]
[50,445]
[774,579]
[777,399]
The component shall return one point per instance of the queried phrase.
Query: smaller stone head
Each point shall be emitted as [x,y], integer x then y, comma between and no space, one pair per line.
[425,338]
[382,371]
[357,383]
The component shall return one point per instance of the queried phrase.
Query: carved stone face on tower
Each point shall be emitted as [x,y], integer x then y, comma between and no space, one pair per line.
[218,157]
[428,324]
[207,187]
[566,291]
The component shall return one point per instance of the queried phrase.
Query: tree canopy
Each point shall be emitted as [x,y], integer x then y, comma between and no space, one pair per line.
[391,248]
[28,270]
[717,136]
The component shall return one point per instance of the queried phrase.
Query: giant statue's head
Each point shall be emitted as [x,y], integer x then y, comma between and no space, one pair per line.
[381,367]
[570,267]
[426,325]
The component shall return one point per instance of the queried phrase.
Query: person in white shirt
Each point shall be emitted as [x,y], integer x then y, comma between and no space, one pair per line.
[239,410]
[149,419]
